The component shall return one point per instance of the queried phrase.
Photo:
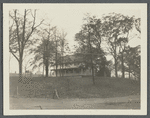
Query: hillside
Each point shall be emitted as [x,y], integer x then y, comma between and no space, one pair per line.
[75,87]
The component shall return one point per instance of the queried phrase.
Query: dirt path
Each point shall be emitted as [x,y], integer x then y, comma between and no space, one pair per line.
[129,102]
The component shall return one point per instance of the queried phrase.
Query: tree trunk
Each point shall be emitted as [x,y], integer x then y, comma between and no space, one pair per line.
[56,69]
[25,71]
[20,70]
[122,65]
[56,58]
[20,67]
[62,60]
[91,59]
[60,71]
[116,68]
[92,71]
[46,68]
[43,70]
[62,66]
[47,58]
[115,56]
[129,72]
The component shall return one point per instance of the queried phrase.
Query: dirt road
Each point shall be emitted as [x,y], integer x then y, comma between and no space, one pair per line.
[129,102]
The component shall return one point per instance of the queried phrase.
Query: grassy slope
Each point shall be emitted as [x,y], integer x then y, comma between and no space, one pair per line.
[75,87]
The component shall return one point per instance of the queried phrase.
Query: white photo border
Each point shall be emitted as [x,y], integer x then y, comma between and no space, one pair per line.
[142,111]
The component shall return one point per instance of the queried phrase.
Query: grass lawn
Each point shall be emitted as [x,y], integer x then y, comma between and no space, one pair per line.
[75,87]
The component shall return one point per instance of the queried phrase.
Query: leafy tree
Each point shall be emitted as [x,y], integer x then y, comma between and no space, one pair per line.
[44,52]
[89,40]
[138,24]
[116,28]
[132,61]
[122,42]
[21,32]
[83,37]
[44,55]
[94,26]
[102,66]
[58,47]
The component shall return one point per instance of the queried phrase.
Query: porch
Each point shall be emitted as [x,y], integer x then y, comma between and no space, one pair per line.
[71,72]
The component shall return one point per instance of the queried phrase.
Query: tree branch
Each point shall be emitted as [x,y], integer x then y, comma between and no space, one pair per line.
[23,35]
[33,28]
[17,27]
[13,54]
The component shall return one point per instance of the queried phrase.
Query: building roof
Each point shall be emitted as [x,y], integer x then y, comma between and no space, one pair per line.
[72,59]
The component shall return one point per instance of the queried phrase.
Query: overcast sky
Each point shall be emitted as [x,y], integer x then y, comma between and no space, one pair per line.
[70,18]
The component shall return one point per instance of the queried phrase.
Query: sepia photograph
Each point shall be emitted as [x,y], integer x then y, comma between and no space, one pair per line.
[75,59]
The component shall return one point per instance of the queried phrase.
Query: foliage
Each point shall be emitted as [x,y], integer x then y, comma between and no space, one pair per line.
[44,52]
[133,61]
[116,28]
[138,24]
[89,40]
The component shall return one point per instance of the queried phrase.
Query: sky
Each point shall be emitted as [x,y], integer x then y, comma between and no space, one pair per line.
[70,19]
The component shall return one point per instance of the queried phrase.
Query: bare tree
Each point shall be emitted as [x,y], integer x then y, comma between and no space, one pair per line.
[56,50]
[20,33]
[63,44]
